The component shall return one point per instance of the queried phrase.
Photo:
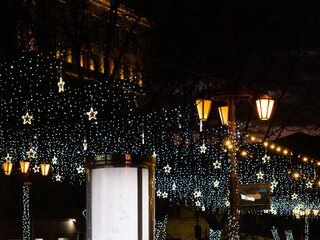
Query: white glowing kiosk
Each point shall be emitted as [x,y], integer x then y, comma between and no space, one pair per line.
[120,197]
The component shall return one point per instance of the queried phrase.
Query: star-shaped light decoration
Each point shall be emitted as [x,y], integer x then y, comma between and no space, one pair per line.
[8,158]
[31,153]
[92,114]
[216,183]
[80,169]
[54,160]
[27,118]
[274,212]
[217,164]
[294,196]
[85,145]
[203,148]
[265,158]
[198,203]
[203,208]
[159,193]
[154,154]
[227,203]
[167,168]
[260,175]
[274,184]
[58,177]
[164,195]
[174,186]
[36,169]
[61,85]
[197,194]
[309,185]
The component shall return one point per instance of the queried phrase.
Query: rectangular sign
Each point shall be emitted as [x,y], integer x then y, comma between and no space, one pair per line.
[254,196]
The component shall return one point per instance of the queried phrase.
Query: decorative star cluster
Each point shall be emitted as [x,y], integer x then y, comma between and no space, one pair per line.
[190,166]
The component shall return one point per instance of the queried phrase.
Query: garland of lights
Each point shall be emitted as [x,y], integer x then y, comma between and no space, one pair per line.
[26,221]
[306,228]
[275,234]
[215,234]
[289,235]
[160,227]
[73,121]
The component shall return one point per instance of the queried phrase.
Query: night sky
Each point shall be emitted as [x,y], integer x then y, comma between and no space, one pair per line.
[267,46]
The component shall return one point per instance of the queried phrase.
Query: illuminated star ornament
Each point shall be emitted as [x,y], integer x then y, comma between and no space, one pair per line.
[197,194]
[294,196]
[31,153]
[266,158]
[58,178]
[85,145]
[27,118]
[273,185]
[227,203]
[92,114]
[36,169]
[164,195]
[309,185]
[167,169]
[174,186]
[198,203]
[203,208]
[216,183]
[80,169]
[54,160]
[8,158]
[61,85]
[159,193]
[260,175]
[203,148]
[216,165]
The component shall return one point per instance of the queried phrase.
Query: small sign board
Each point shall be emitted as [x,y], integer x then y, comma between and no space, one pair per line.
[254,196]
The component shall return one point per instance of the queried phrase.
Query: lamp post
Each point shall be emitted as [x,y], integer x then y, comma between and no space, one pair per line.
[27,233]
[227,115]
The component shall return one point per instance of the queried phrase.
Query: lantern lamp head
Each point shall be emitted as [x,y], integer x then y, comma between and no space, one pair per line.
[7,168]
[24,166]
[264,107]
[203,107]
[45,169]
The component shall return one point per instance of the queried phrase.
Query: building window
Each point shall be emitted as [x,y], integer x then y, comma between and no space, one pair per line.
[69,55]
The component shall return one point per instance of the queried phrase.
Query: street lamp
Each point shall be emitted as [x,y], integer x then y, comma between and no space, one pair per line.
[24,169]
[227,115]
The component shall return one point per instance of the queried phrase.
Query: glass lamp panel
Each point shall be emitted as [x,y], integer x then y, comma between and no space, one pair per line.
[223,112]
[203,107]
[24,166]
